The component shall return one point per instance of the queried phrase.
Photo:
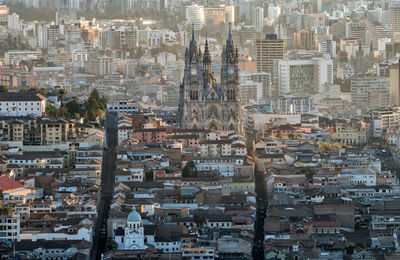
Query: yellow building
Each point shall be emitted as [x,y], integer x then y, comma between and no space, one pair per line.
[350,134]
[56,131]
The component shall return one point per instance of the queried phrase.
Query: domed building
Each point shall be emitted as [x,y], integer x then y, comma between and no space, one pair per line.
[132,236]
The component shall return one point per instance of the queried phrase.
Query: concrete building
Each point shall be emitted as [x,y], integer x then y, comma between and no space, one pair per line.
[394,18]
[358,176]
[383,120]
[350,134]
[350,46]
[302,77]
[123,106]
[43,35]
[258,18]
[252,92]
[22,104]
[195,16]
[327,46]
[267,50]
[13,22]
[370,91]
[10,227]
[394,83]
[12,57]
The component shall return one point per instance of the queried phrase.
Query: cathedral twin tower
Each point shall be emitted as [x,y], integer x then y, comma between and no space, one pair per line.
[204,103]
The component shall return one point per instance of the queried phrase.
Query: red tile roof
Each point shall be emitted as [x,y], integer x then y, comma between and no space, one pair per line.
[7,183]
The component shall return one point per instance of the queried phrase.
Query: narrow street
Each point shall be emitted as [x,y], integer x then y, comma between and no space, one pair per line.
[107,186]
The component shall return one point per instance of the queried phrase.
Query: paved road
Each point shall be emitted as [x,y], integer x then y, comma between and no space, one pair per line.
[107,187]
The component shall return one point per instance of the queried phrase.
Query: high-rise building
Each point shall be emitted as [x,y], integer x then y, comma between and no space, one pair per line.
[302,77]
[392,49]
[13,22]
[350,46]
[304,39]
[394,83]
[258,18]
[394,18]
[370,91]
[267,50]
[3,13]
[195,16]
[204,103]
[43,35]
[327,46]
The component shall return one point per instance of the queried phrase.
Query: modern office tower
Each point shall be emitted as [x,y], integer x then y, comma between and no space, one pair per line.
[302,77]
[394,83]
[13,22]
[195,16]
[392,49]
[359,32]
[327,46]
[43,35]
[394,18]
[370,91]
[274,12]
[380,32]
[54,31]
[258,18]
[267,50]
[304,39]
[215,15]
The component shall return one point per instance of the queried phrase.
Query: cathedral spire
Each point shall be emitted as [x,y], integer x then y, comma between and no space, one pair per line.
[193,41]
[207,58]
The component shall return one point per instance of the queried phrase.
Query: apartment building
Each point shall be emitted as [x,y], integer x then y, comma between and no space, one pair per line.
[22,104]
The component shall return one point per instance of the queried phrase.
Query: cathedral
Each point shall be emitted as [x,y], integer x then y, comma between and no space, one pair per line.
[204,103]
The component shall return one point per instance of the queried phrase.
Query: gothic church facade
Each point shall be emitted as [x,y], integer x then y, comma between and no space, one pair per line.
[204,103]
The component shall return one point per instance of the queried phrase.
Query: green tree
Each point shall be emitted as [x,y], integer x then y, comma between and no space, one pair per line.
[188,170]
[51,110]
[111,245]
[5,210]
[199,219]
[3,88]
[73,107]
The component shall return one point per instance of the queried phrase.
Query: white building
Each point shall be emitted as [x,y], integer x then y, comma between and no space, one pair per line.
[252,92]
[225,165]
[370,92]
[167,245]
[300,77]
[383,120]
[123,106]
[195,16]
[10,227]
[132,236]
[327,46]
[22,104]
[43,35]
[135,174]
[258,18]
[357,176]
[13,22]
[12,57]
